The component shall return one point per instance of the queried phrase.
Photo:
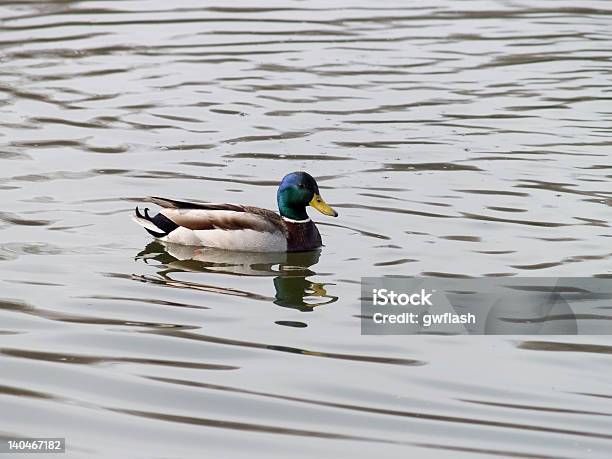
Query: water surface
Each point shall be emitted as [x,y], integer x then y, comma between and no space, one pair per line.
[463,138]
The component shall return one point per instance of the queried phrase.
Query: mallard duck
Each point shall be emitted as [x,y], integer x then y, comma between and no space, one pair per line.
[243,228]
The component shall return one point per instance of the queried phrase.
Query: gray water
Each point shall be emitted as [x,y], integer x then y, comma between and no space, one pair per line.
[463,138]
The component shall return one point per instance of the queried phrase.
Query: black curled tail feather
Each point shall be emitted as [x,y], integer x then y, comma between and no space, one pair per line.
[161,222]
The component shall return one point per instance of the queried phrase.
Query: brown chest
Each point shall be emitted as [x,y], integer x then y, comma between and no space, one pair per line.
[302,236]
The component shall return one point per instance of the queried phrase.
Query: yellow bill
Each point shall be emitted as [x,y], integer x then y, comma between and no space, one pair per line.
[318,203]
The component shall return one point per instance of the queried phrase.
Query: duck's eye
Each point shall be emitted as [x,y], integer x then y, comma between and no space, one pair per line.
[301,185]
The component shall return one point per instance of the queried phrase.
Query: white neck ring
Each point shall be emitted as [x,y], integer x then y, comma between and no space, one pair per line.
[290,220]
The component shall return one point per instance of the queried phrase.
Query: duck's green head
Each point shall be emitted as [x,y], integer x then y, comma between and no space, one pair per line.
[298,190]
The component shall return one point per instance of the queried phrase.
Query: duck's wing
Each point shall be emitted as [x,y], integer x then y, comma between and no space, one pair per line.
[226,226]
[174,204]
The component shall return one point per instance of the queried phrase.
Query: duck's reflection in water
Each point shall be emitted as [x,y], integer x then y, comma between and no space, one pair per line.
[290,271]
